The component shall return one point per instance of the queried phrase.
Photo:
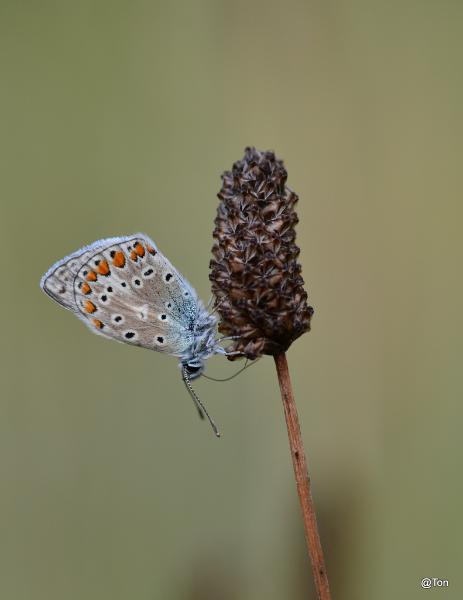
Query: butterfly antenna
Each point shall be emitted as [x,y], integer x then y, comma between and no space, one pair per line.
[209,304]
[199,405]
[200,412]
[246,366]
[217,305]
[190,391]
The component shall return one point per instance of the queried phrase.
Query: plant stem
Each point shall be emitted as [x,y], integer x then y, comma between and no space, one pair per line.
[302,479]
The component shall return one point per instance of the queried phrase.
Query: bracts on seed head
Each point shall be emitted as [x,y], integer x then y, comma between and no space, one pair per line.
[255,275]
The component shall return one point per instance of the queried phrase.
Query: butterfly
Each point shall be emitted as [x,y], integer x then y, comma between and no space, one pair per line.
[125,289]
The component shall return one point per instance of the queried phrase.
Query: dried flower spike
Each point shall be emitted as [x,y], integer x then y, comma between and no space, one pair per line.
[255,276]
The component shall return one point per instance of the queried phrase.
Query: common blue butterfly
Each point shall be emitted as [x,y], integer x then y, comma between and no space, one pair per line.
[125,289]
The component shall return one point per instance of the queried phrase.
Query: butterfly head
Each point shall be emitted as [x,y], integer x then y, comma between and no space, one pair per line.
[194,368]
[203,345]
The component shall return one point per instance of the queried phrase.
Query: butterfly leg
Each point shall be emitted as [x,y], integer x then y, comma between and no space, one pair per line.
[234,353]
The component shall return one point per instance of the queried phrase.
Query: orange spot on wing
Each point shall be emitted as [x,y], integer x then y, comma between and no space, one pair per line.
[92,276]
[89,306]
[150,249]
[98,324]
[134,255]
[86,289]
[103,268]
[119,260]
[139,249]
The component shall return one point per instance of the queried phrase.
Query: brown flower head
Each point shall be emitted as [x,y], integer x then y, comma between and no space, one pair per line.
[255,276]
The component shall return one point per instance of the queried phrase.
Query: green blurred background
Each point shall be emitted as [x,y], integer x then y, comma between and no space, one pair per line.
[120,116]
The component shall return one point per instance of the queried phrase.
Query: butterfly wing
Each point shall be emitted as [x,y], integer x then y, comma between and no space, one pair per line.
[125,289]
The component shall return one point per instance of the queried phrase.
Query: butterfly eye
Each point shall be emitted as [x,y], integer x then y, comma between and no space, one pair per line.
[169,276]
[137,282]
[130,335]
[163,317]
[118,319]
[192,369]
